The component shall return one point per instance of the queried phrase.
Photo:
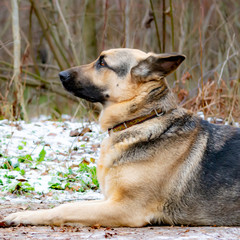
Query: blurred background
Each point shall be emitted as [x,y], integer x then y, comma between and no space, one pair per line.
[40,38]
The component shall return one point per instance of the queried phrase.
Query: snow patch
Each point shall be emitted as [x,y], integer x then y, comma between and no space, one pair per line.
[60,152]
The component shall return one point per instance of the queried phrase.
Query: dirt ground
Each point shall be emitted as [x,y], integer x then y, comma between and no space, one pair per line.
[150,232]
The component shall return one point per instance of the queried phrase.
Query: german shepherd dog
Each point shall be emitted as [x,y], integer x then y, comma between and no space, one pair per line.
[160,164]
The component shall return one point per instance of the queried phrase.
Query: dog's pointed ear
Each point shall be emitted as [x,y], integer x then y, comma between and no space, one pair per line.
[157,65]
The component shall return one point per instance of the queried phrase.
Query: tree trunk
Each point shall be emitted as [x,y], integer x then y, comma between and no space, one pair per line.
[18,88]
[89,31]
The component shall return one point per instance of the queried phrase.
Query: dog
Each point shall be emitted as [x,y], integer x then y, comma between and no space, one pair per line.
[160,164]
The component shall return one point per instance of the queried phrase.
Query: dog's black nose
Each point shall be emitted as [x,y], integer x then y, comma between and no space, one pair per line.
[64,75]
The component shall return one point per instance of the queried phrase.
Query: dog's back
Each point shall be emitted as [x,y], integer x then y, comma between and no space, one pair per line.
[212,197]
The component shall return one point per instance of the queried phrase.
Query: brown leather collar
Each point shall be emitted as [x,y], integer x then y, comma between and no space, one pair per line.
[121,126]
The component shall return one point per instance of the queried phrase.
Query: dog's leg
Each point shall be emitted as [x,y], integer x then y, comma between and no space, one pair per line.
[89,213]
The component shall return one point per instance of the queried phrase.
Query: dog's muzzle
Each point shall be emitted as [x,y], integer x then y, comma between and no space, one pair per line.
[81,86]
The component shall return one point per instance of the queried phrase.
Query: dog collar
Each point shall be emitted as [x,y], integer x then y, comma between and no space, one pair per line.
[121,126]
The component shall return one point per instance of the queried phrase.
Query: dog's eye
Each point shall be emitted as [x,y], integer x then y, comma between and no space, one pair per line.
[101,62]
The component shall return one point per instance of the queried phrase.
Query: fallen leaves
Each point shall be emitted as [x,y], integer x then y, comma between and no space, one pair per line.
[74,166]
[85,130]
[69,229]
[21,179]
[76,133]
[45,173]
[214,98]
[109,235]
[84,161]
[3,224]
[52,134]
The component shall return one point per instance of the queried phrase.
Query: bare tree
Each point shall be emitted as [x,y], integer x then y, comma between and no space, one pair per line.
[17,58]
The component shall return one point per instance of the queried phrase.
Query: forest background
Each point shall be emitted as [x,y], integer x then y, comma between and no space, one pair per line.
[40,38]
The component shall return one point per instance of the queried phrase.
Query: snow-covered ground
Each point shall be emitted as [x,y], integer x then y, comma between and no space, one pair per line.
[42,162]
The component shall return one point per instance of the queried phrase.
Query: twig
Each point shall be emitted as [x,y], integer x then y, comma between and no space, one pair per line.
[156,26]
[25,71]
[225,25]
[78,107]
[172,33]
[226,60]
[105,23]
[127,25]
[58,55]
[55,88]
[172,24]
[43,65]
[67,31]
[163,25]
[3,45]
[235,95]
[181,25]
[216,68]
[201,49]
[5,27]
[30,42]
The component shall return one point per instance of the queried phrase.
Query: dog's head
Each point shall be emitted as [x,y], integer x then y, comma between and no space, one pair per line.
[117,74]
[128,83]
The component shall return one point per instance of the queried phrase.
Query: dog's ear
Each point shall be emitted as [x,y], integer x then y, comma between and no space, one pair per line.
[157,65]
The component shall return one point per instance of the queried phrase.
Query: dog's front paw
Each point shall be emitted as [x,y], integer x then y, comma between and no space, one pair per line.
[19,218]
[27,218]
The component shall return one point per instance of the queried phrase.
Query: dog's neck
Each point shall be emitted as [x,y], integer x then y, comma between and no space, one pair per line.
[121,126]
[118,113]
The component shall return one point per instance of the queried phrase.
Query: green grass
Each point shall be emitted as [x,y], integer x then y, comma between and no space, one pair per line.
[78,179]
[81,179]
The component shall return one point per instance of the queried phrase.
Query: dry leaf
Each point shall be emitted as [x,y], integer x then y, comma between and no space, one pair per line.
[3,224]
[76,133]
[52,134]
[85,130]
[22,180]
[74,166]
[85,161]
[44,173]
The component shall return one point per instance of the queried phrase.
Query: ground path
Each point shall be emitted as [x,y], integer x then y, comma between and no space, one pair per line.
[71,233]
